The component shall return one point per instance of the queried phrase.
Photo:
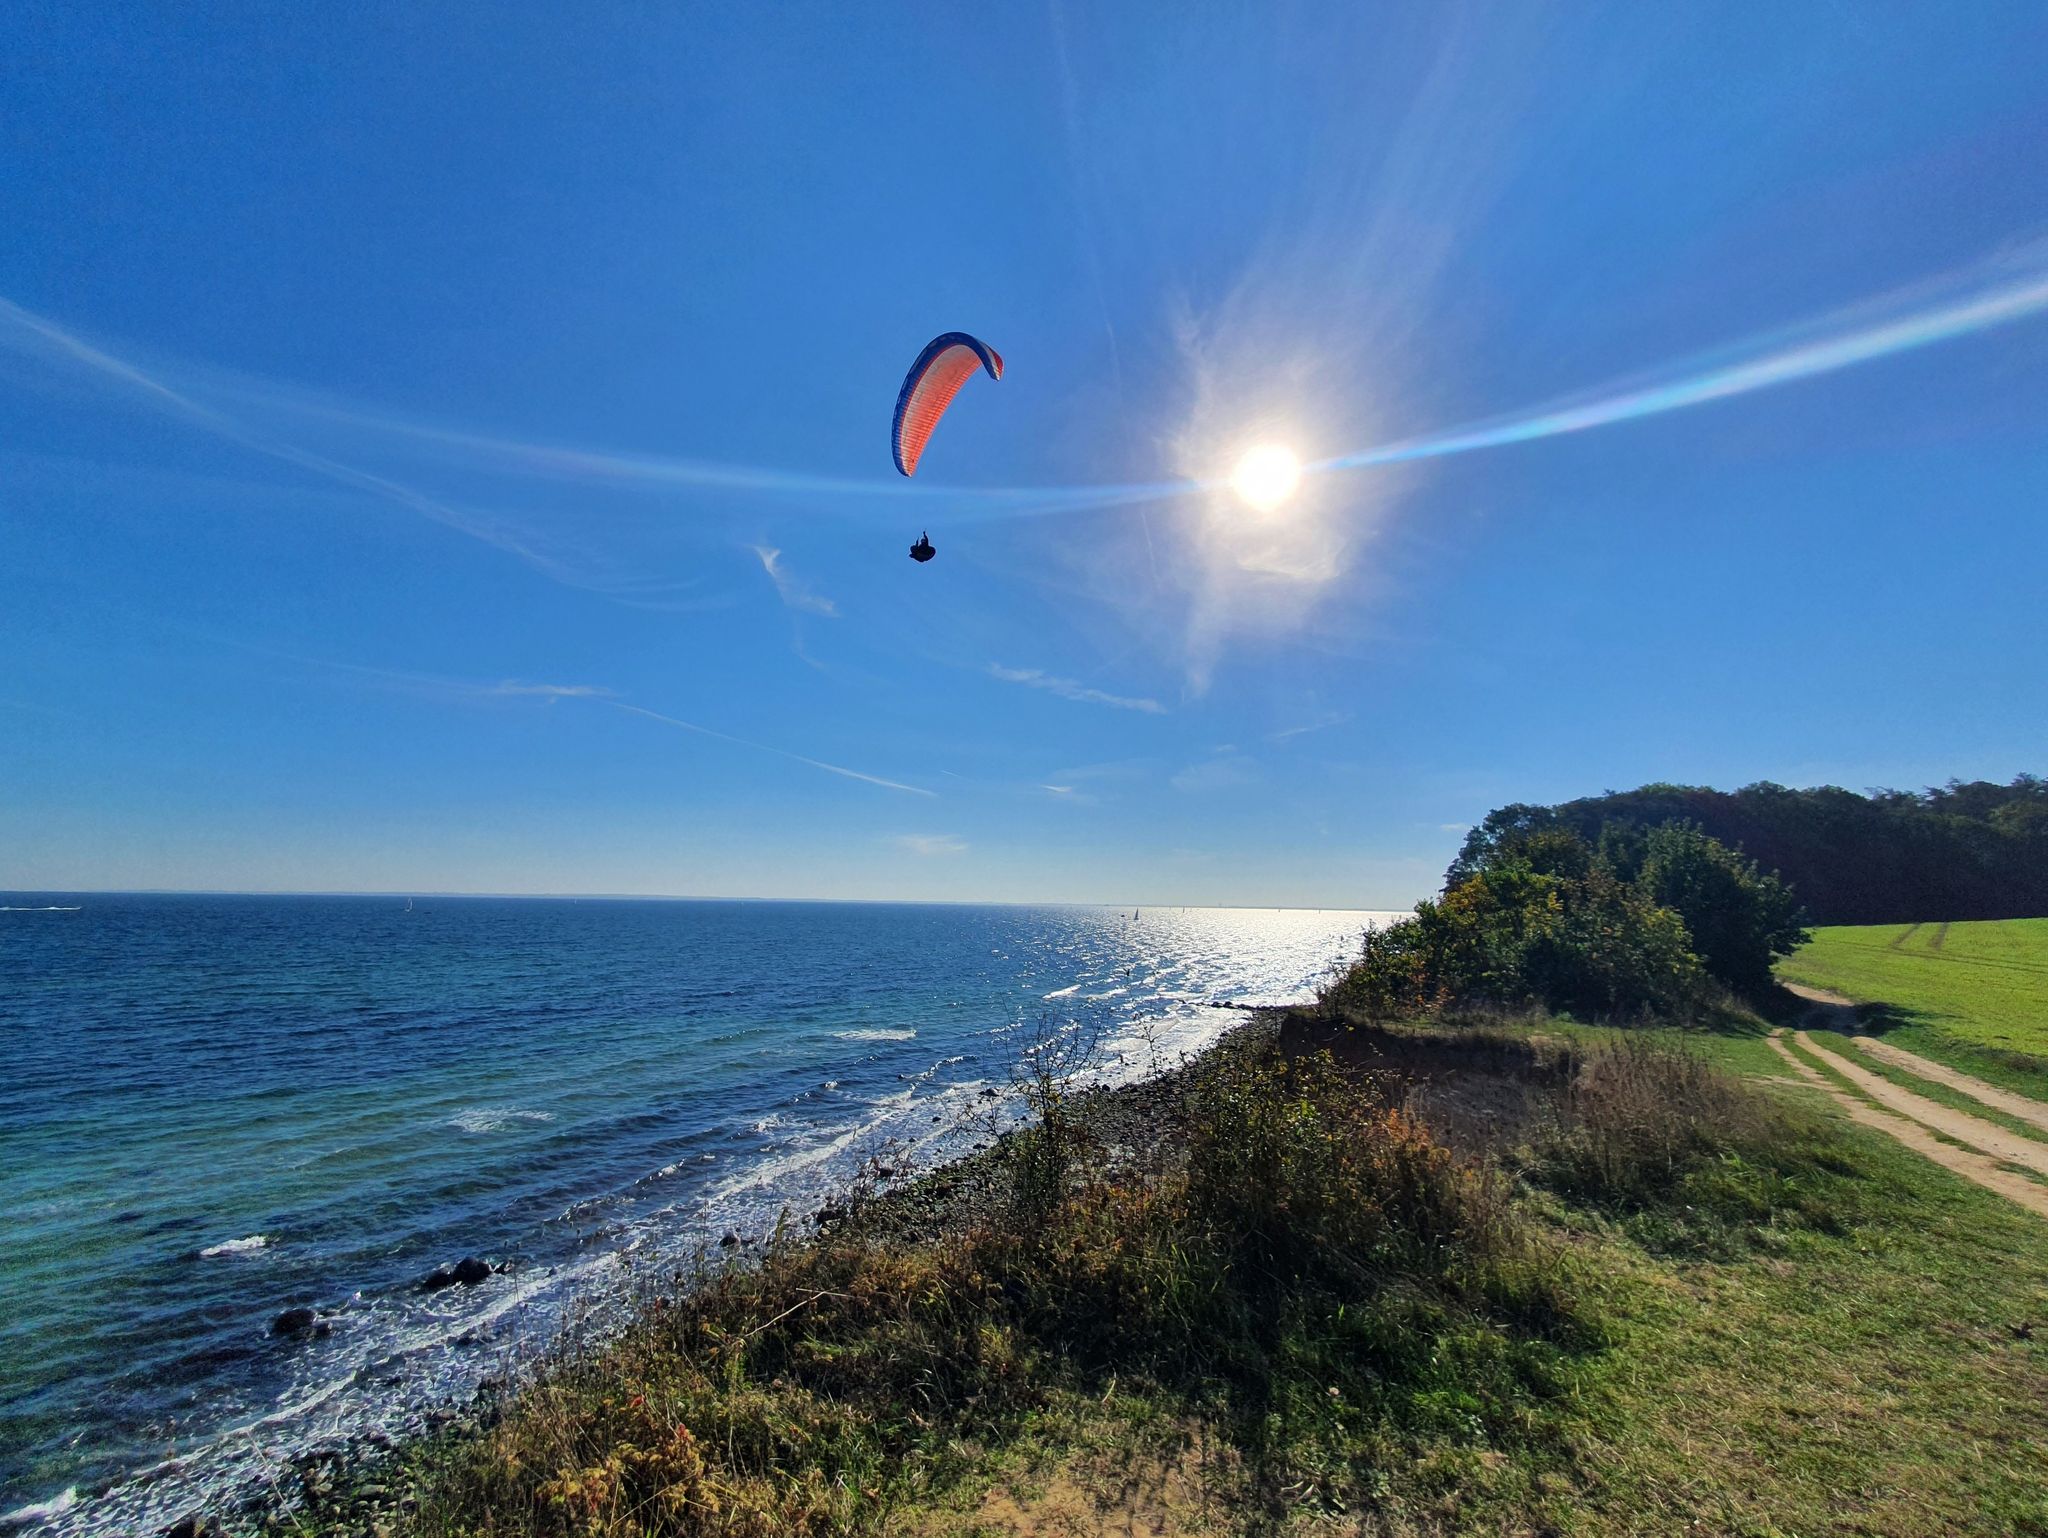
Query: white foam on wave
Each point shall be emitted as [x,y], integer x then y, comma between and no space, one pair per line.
[876,1034]
[244,1246]
[491,1118]
[1060,993]
[772,1172]
[53,908]
[40,1511]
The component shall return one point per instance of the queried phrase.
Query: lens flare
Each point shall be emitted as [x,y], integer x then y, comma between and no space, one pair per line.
[1267,476]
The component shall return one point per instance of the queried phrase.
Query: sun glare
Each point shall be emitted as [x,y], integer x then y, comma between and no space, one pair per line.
[1267,476]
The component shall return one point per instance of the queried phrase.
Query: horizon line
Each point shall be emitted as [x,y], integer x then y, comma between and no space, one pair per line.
[678,897]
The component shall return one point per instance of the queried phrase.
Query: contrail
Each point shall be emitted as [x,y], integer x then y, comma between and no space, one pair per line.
[762,747]
[1822,350]
[1988,298]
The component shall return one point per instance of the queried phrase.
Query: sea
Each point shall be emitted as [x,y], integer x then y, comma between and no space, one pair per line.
[217,1108]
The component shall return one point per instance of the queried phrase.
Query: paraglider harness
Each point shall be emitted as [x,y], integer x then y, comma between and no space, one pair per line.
[922,550]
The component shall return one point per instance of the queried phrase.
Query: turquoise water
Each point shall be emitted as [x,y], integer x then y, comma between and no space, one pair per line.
[216,1108]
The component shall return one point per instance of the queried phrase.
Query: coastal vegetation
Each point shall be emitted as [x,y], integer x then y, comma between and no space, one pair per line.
[1296,1296]
[1660,923]
[1966,850]
[1411,1279]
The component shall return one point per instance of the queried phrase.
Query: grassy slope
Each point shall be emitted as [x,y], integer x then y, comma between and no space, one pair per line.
[1866,1381]
[1974,996]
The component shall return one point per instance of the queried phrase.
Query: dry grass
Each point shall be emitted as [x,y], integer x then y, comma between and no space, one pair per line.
[1316,1279]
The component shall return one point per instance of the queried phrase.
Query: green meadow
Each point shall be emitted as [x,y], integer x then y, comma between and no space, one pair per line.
[1974,995]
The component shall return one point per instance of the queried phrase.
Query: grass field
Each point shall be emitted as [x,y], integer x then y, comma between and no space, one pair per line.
[1974,996]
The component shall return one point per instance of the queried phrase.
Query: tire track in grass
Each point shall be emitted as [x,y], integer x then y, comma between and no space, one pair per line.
[2006,1147]
[1940,938]
[1899,939]
[1969,1164]
[2033,1112]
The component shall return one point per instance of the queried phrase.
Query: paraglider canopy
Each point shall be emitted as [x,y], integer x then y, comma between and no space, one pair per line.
[922,551]
[928,389]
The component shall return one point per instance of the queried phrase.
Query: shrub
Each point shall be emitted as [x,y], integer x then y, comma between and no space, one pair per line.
[1739,920]
[1651,1130]
[1511,936]
[1316,1274]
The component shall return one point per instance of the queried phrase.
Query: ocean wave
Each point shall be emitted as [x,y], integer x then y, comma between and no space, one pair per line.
[57,1505]
[490,1118]
[1060,993]
[245,1246]
[876,1034]
[51,909]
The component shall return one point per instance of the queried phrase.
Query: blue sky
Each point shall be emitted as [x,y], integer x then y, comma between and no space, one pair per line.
[451,454]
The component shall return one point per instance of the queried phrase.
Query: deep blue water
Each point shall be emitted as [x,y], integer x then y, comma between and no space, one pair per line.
[214,1108]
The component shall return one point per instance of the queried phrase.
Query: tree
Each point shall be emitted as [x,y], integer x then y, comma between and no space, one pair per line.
[1739,920]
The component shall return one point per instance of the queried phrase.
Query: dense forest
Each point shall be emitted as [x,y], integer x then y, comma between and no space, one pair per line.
[1966,850]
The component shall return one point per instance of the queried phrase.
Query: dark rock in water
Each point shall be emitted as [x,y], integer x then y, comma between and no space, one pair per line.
[300,1322]
[728,1241]
[991,1094]
[197,1525]
[468,1271]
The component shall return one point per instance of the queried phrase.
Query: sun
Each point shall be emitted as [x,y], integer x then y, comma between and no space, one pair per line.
[1267,476]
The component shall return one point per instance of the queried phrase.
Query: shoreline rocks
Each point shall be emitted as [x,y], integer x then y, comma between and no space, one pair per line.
[300,1324]
[466,1272]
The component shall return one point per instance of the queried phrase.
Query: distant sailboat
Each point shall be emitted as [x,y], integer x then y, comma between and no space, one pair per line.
[408,905]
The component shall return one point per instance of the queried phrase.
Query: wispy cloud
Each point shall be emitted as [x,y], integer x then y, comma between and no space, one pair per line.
[1070,689]
[1223,772]
[515,688]
[791,588]
[1069,795]
[546,693]
[1321,723]
[930,844]
[2010,286]
[28,332]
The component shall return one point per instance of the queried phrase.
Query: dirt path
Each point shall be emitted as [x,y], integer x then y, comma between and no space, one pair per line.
[1986,1137]
[2033,1112]
[1965,1162]
[1833,1012]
